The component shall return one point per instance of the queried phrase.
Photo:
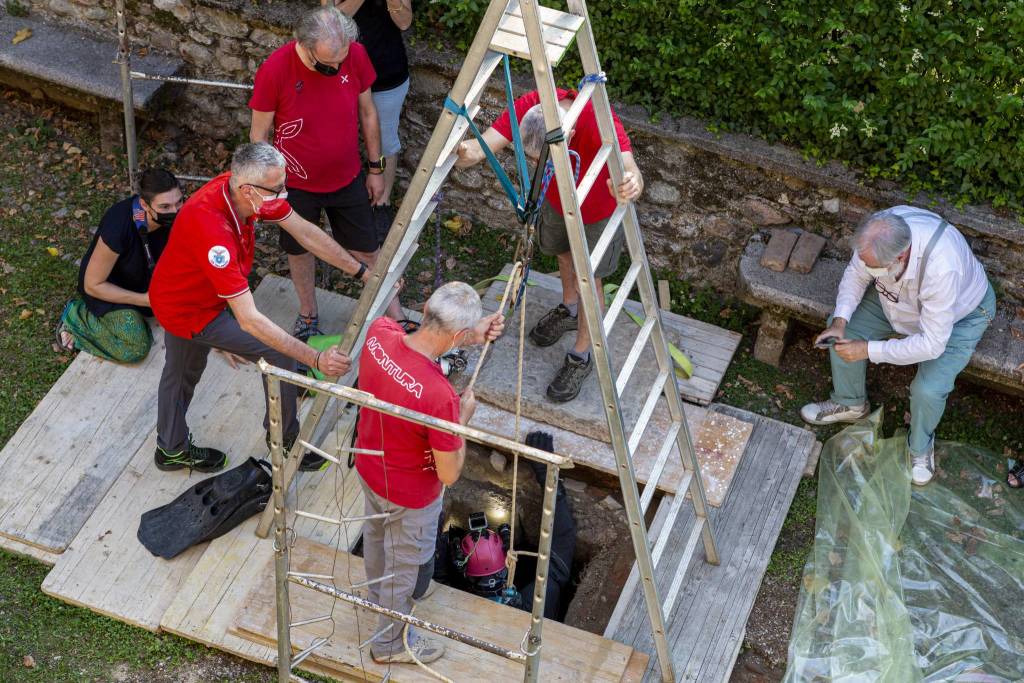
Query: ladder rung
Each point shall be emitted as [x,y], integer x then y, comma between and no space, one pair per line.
[659,465]
[301,657]
[612,227]
[375,636]
[582,98]
[343,520]
[620,296]
[596,166]
[314,620]
[323,454]
[434,184]
[634,355]
[490,62]
[370,582]
[648,410]
[310,575]
[684,564]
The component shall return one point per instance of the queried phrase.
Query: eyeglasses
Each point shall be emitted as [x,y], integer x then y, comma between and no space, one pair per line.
[888,294]
[276,193]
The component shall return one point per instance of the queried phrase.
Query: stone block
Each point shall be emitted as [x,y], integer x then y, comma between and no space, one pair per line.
[196,54]
[830,205]
[762,212]
[806,252]
[181,9]
[662,193]
[771,338]
[222,23]
[267,39]
[200,37]
[776,256]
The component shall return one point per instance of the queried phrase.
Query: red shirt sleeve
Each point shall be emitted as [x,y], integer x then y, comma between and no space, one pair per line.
[264,92]
[220,260]
[364,67]
[443,441]
[503,126]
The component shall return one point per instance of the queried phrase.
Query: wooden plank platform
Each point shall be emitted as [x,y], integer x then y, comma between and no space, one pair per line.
[105,568]
[69,451]
[30,551]
[705,629]
[571,654]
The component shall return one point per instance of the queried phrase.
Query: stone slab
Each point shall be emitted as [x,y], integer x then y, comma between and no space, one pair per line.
[73,59]
[709,347]
[997,360]
[805,253]
[780,246]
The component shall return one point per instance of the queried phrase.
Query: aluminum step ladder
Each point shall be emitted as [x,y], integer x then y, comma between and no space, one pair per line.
[527,30]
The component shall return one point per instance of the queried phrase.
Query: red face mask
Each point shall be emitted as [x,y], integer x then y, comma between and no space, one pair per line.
[272,210]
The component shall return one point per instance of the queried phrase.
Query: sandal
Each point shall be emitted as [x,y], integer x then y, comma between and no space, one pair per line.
[59,332]
[1016,474]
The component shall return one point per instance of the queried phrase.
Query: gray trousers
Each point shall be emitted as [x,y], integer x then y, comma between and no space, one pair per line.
[402,545]
[184,362]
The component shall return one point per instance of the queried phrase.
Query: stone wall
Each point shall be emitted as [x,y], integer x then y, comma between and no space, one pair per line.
[706,195]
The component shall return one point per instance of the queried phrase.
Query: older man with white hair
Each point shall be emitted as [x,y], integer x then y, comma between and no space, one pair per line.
[584,146]
[407,481]
[929,292]
[311,98]
[200,294]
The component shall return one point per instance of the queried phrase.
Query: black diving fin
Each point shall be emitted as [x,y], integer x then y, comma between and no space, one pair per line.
[208,509]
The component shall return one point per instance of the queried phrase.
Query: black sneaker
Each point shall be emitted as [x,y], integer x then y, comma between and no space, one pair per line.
[311,462]
[198,458]
[553,325]
[567,383]
[306,327]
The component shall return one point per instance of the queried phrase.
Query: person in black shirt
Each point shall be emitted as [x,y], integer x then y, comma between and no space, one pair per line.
[381,23]
[107,317]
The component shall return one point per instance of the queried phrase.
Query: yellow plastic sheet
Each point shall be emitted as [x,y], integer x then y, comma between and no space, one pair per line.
[910,583]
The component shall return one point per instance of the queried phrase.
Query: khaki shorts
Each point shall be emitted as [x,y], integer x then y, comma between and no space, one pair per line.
[554,240]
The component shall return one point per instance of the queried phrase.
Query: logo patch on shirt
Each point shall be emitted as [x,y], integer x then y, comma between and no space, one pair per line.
[219,256]
[298,86]
[344,78]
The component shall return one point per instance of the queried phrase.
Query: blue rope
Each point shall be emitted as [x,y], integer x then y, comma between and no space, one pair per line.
[503,178]
[517,139]
[599,77]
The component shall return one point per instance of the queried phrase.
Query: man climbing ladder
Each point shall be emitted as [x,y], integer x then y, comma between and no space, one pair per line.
[584,146]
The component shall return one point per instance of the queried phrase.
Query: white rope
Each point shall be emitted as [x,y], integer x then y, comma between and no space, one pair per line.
[512,557]
[408,650]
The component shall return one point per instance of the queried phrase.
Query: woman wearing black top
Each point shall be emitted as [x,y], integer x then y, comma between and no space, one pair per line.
[107,318]
[381,23]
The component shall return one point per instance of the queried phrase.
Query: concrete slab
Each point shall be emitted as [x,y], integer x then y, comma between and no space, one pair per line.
[585,415]
[70,58]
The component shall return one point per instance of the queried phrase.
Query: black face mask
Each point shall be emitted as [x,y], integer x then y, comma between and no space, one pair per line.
[165,220]
[324,69]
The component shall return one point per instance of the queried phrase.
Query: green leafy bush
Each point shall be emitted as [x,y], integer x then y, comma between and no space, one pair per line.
[929,93]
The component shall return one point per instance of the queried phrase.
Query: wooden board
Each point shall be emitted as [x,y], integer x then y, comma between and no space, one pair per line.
[706,626]
[572,655]
[209,599]
[719,439]
[105,568]
[23,549]
[69,451]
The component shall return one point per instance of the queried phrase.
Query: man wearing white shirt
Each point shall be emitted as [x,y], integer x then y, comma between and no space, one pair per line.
[913,293]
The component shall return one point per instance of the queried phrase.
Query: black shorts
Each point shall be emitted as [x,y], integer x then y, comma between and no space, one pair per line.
[348,213]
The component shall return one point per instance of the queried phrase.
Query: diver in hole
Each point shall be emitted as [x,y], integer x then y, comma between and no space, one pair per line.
[475,559]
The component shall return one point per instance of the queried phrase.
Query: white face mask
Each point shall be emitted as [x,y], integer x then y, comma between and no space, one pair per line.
[892,270]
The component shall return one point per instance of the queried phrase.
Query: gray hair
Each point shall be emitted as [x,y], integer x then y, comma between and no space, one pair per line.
[325,25]
[886,233]
[453,307]
[251,161]
[532,130]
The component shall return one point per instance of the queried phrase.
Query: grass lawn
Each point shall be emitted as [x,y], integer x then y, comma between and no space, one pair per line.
[54,188]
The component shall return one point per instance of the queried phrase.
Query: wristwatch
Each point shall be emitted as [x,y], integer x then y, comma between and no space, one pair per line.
[377,166]
[359,273]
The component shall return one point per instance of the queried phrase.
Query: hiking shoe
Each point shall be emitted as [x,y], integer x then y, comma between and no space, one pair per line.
[306,327]
[567,383]
[829,412]
[553,325]
[311,462]
[198,458]
[425,648]
[922,467]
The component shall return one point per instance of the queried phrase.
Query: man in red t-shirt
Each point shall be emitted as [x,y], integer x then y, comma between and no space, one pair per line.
[200,294]
[407,481]
[310,99]
[584,143]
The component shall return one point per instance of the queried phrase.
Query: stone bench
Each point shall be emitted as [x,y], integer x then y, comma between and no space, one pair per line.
[810,298]
[78,71]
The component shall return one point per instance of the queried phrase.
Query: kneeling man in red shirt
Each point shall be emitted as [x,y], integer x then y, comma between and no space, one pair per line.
[408,480]
[200,294]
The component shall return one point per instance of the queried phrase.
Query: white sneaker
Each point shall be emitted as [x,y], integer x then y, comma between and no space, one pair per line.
[922,467]
[829,412]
